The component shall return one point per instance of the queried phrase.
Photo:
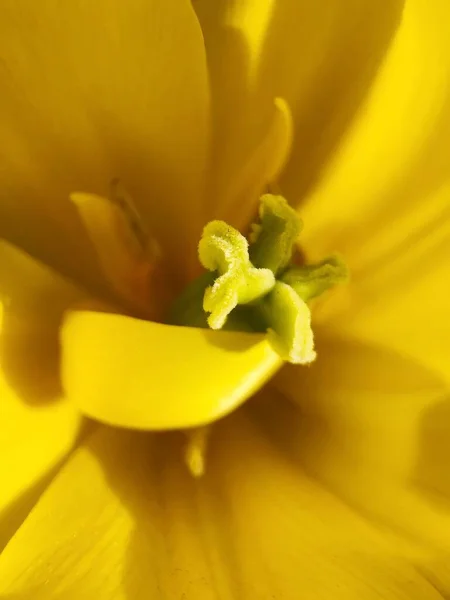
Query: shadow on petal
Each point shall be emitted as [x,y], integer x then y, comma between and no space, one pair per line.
[431,474]
[33,299]
[15,514]
[359,421]
[334,49]
[320,57]
[233,138]
[30,354]
[124,519]
[164,524]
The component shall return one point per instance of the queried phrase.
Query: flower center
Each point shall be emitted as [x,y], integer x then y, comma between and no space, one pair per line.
[250,285]
[255,285]
[128,255]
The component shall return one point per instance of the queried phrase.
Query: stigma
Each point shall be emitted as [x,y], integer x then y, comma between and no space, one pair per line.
[255,284]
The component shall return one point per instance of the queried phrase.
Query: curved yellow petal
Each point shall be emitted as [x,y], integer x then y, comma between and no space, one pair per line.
[237,201]
[38,428]
[124,519]
[374,427]
[319,56]
[395,152]
[94,92]
[34,440]
[145,375]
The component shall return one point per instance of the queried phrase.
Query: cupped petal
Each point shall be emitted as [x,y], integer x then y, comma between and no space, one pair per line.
[124,519]
[145,375]
[94,92]
[320,57]
[374,428]
[384,200]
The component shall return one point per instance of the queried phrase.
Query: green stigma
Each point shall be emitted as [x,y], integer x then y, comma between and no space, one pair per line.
[255,286]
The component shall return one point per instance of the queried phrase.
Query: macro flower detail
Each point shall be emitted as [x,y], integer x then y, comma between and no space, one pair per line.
[223,300]
[225,250]
[257,277]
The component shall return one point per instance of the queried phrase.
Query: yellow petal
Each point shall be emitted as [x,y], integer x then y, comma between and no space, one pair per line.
[374,427]
[128,256]
[123,525]
[384,199]
[436,570]
[38,427]
[237,201]
[384,202]
[319,56]
[89,93]
[34,439]
[398,293]
[33,299]
[395,151]
[124,519]
[145,375]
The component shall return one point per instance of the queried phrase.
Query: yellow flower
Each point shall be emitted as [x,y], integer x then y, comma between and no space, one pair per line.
[332,481]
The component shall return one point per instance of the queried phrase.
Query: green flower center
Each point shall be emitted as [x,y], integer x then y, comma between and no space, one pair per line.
[255,286]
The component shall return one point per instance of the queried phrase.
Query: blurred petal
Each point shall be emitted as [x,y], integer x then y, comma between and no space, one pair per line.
[368,423]
[145,375]
[124,519]
[437,571]
[384,202]
[38,427]
[399,298]
[92,92]
[319,56]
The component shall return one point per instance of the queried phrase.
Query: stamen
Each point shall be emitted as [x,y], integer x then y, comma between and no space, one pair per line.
[257,287]
[274,304]
[126,252]
[195,451]
[123,200]
[225,250]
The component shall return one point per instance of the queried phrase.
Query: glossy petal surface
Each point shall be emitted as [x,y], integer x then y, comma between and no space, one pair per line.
[144,375]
